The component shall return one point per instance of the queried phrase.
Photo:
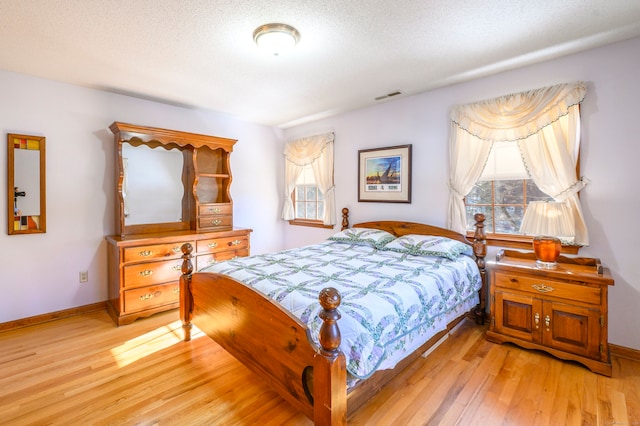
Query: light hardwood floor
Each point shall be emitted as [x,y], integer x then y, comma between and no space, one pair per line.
[82,370]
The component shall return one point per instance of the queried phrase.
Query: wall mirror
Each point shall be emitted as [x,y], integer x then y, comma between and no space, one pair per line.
[26,187]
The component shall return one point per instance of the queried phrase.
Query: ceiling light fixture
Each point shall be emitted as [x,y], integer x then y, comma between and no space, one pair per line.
[276,39]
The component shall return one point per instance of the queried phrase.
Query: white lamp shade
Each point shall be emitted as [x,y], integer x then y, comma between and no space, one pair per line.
[548,218]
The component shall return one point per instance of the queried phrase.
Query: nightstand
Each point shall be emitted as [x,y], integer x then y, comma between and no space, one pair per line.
[562,311]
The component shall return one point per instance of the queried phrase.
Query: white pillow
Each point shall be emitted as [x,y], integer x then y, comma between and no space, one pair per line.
[363,236]
[429,245]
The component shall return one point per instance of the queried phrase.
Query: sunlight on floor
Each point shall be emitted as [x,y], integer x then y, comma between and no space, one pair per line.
[148,343]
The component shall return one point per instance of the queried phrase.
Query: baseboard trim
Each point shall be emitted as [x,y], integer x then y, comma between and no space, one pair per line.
[624,352]
[39,319]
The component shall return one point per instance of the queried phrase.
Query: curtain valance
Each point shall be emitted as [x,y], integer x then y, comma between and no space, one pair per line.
[518,116]
[305,151]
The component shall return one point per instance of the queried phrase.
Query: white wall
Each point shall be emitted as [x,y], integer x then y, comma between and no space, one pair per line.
[610,152]
[39,272]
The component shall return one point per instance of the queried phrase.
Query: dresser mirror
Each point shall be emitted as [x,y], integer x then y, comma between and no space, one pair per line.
[26,187]
[152,188]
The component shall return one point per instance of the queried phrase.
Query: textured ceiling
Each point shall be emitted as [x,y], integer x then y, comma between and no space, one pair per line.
[200,53]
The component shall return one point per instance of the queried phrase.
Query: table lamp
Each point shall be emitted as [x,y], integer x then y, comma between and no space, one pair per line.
[546,221]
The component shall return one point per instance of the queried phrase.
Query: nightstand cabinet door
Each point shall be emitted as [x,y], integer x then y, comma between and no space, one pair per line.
[571,328]
[518,316]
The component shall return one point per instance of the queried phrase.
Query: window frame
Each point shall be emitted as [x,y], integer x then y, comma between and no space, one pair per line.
[314,223]
[520,241]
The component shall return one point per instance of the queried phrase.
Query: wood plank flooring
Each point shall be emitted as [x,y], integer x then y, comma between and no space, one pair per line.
[82,370]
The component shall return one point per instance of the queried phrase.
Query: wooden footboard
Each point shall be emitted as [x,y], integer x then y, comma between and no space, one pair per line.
[270,341]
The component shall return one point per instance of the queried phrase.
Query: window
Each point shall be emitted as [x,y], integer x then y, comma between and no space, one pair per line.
[307,198]
[503,191]
[539,129]
[310,192]
[503,202]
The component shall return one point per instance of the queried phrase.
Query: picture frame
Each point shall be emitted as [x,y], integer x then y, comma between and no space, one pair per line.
[384,174]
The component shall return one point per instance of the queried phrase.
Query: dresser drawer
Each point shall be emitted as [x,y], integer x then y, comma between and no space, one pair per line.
[215,222]
[202,261]
[550,288]
[151,297]
[215,209]
[152,273]
[156,251]
[216,245]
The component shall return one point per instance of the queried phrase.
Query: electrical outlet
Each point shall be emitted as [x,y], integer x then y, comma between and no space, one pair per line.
[84,276]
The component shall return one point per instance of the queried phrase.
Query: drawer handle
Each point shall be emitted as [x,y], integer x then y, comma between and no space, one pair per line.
[214,210]
[176,249]
[212,245]
[176,290]
[547,321]
[216,221]
[177,268]
[146,273]
[536,319]
[150,296]
[146,253]
[235,242]
[543,288]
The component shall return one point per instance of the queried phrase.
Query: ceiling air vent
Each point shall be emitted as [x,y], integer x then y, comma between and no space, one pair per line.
[388,95]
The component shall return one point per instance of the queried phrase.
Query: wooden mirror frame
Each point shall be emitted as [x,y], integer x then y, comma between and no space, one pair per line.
[32,225]
[189,144]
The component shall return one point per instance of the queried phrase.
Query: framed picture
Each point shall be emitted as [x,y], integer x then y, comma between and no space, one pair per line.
[384,174]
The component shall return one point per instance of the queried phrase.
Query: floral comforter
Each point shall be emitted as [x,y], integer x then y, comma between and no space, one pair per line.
[391,302]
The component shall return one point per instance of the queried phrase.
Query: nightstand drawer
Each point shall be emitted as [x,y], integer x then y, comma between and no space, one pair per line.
[550,288]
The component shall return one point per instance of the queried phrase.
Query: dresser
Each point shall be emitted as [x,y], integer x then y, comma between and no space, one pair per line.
[562,311]
[171,187]
[145,269]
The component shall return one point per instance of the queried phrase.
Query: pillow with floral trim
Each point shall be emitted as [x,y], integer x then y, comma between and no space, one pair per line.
[364,237]
[429,245]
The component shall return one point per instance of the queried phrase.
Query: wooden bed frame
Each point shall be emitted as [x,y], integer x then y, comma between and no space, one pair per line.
[277,347]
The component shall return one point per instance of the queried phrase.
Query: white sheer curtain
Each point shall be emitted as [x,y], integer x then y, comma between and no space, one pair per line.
[545,123]
[316,151]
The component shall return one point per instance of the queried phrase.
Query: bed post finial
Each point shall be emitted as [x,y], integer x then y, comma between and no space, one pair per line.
[330,369]
[345,218]
[186,301]
[329,332]
[480,251]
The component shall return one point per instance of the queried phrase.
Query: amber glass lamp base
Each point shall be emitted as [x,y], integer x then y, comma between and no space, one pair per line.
[547,250]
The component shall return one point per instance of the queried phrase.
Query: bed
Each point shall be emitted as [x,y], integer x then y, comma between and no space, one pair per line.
[327,325]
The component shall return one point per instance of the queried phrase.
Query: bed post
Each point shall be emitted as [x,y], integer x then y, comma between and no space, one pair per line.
[330,370]
[345,218]
[480,251]
[186,300]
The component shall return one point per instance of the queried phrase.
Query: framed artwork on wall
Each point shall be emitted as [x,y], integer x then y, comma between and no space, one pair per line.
[384,174]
